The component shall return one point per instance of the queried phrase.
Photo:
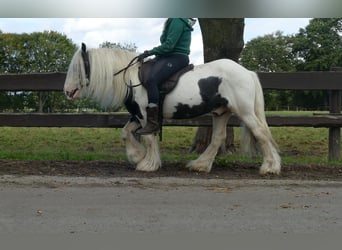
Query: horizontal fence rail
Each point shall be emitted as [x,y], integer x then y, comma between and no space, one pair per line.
[118,120]
[32,82]
[331,80]
[327,80]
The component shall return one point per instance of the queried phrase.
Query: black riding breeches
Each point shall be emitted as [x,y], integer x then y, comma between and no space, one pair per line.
[162,69]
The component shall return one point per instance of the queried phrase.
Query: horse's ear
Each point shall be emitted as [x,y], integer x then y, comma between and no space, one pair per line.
[84,48]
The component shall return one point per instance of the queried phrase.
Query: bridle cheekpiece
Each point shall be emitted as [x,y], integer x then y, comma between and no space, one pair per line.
[86,62]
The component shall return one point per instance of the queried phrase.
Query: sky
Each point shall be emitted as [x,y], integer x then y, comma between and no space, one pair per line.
[143,32]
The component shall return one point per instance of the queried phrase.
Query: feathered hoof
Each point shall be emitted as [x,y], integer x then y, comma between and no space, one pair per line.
[269,169]
[148,166]
[134,155]
[198,166]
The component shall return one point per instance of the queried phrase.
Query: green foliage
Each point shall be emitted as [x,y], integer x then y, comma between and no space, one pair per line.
[126,46]
[319,46]
[38,52]
[270,53]
[61,144]
[298,145]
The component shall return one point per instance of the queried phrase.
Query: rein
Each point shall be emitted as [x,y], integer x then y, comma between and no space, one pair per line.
[124,70]
[128,66]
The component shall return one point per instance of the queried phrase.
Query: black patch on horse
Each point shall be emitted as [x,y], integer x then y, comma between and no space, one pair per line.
[132,107]
[211,99]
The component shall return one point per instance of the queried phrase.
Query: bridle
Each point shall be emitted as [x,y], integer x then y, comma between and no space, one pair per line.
[86,63]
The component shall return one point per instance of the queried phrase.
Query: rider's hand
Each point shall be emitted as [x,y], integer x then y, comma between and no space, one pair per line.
[142,56]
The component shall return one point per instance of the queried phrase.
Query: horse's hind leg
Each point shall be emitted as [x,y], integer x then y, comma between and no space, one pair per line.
[205,161]
[260,130]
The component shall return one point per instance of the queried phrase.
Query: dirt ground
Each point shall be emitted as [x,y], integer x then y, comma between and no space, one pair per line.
[123,169]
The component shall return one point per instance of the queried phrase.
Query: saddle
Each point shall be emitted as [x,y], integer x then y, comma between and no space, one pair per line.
[167,86]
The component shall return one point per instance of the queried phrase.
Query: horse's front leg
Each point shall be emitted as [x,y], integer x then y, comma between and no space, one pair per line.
[151,161]
[135,151]
[143,158]
[205,161]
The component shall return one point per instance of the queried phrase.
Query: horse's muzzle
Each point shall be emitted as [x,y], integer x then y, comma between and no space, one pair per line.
[72,94]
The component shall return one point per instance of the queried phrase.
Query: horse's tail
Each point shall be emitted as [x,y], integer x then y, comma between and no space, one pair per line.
[248,142]
[259,103]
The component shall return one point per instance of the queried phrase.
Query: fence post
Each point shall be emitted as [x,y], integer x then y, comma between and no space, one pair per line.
[334,132]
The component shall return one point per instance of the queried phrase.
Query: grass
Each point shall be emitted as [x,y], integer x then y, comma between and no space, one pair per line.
[295,113]
[298,145]
[60,144]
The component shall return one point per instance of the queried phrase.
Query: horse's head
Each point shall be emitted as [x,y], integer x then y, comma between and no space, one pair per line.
[93,73]
[78,75]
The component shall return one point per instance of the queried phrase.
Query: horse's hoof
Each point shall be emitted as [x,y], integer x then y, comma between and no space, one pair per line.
[197,167]
[269,172]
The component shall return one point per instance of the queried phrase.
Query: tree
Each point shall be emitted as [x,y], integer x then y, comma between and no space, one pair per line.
[38,52]
[222,38]
[126,46]
[319,45]
[271,53]
[319,48]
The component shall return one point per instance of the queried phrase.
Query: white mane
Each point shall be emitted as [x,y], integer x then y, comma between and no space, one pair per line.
[105,88]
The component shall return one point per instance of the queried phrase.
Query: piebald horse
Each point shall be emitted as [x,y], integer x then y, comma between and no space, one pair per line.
[221,87]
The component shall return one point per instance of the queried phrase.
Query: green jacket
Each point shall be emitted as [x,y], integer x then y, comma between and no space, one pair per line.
[175,39]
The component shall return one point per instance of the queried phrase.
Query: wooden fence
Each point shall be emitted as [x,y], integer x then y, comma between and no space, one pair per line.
[330,81]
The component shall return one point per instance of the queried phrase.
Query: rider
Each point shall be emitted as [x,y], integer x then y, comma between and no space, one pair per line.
[170,56]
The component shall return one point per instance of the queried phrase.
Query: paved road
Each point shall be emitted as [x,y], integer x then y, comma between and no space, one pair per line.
[73,205]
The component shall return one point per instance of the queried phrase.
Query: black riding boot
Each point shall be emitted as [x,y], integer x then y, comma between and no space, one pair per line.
[152,125]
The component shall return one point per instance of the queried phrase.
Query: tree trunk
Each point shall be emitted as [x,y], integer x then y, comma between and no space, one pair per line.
[222,38]
[42,101]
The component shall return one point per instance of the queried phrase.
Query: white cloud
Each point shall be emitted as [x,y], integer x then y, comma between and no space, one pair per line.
[94,31]
[196,50]
[143,32]
[255,27]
